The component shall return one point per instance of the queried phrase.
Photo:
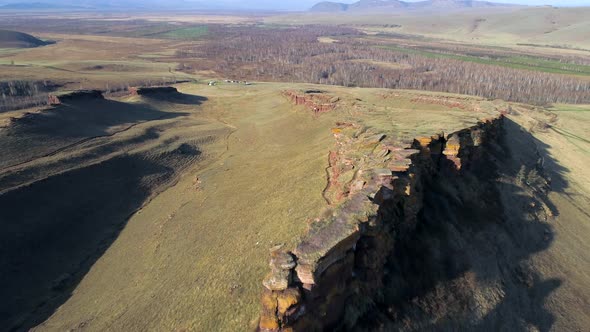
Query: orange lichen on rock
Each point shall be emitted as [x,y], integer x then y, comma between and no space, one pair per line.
[424,141]
[268,318]
[287,299]
[277,308]
[451,151]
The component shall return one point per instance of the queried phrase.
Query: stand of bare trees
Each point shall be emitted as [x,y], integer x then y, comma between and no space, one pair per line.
[23,94]
[295,54]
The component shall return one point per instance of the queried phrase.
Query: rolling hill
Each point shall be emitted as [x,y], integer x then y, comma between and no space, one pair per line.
[15,39]
[565,28]
[380,5]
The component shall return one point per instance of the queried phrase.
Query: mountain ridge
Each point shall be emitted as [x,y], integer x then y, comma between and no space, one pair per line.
[374,5]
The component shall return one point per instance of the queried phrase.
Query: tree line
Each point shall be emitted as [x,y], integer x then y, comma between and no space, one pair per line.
[23,94]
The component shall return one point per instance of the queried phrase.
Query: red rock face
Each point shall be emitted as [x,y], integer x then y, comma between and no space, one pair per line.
[344,254]
[316,102]
[132,91]
[53,100]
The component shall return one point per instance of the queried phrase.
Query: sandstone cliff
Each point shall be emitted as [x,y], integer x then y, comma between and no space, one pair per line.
[314,100]
[376,190]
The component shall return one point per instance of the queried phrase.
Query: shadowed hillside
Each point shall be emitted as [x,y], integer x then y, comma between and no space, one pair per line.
[36,135]
[76,173]
[15,39]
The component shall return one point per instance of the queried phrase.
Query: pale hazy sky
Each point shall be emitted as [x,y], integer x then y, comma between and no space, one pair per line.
[266,4]
[525,2]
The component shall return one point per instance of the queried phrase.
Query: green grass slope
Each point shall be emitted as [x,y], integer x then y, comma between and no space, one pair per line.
[567,28]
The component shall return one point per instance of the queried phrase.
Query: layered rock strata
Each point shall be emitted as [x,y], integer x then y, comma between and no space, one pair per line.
[314,100]
[375,190]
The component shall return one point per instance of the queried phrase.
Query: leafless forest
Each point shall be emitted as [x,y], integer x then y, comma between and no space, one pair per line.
[296,55]
[23,94]
[324,54]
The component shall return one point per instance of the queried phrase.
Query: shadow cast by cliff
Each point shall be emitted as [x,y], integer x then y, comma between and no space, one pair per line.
[50,131]
[55,229]
[172,96]
[467,265]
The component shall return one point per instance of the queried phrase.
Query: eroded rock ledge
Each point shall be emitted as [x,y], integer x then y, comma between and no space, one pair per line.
[315,100]
[375,192]
[75,96]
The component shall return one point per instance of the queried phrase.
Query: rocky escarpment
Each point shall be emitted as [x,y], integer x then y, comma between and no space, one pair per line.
[313,99]
[376,191]
[85,95]
[76,96]
[150,91]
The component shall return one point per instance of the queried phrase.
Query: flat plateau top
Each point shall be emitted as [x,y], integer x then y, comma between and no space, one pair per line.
[193,257]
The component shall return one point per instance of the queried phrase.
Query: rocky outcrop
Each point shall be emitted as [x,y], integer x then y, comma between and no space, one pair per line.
[75,96]
[317,101]
[375,200]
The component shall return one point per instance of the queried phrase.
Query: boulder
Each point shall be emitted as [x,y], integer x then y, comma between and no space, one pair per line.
[277,280]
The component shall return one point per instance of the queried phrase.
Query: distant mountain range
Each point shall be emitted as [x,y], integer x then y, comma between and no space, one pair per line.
[380,5]
[149,5]
[247,5]
[100,4]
